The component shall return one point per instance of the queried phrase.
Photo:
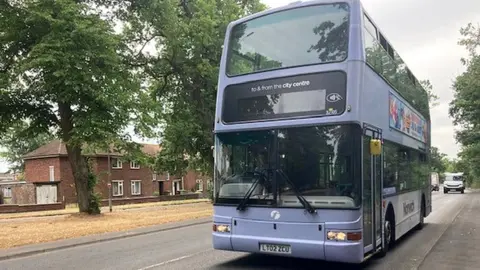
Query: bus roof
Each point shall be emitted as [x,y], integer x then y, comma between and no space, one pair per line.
[296,4]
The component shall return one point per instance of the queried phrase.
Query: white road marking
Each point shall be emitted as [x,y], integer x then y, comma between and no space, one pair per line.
[172,260]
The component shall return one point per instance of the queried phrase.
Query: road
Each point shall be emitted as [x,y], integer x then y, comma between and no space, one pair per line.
[438,246]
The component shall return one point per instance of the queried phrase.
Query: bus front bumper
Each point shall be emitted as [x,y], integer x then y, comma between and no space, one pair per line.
[348,252]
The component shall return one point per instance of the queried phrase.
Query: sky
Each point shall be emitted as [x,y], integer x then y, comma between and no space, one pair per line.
[425,34]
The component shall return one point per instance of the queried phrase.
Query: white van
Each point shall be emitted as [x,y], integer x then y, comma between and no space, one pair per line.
[454,182]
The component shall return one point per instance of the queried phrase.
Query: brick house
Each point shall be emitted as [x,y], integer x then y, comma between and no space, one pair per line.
[11,185]
[49,170]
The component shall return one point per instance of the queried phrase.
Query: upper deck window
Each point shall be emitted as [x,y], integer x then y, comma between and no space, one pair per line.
[370,26]
[295,37]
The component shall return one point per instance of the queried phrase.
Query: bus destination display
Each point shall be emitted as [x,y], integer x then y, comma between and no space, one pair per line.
[288,97]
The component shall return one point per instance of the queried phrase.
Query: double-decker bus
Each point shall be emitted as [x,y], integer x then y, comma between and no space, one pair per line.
[321,136]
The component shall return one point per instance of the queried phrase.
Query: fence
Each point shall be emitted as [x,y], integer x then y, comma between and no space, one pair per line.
[19,208]
[123,201]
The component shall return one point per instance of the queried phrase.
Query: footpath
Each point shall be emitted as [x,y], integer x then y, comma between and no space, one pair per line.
[459,246]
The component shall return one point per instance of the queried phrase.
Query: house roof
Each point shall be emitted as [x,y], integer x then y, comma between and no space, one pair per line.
[53,148]
[57,148]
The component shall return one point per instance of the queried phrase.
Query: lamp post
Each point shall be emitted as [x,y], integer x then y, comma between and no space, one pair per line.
[109,181]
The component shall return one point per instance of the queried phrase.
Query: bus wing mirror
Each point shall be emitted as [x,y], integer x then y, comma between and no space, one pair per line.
[375,147]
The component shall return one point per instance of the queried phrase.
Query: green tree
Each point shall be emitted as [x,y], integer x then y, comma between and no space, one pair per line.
[183,72]
[449,164]
[432,97]
[16,146]
[437,160]
[61,68]
[464,108]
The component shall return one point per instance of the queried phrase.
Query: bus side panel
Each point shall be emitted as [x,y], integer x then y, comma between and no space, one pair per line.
[375,108]
[407,211]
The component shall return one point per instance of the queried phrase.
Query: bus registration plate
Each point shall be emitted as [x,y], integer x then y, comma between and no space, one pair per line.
[274,248]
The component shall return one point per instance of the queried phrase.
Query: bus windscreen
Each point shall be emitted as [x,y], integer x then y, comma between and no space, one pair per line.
[302,36]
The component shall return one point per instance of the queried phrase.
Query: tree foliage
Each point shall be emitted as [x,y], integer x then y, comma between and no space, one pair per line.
[465,107]
[16,146]
[62,68]
[437,160]
[183,72]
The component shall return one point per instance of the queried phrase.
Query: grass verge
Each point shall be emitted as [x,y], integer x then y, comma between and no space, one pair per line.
[19,233]
[72,210]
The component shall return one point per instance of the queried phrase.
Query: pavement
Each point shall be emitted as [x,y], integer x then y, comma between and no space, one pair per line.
[450,240]
[459,247]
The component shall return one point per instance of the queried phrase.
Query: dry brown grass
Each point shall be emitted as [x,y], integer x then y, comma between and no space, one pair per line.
[74,209]
[17,233]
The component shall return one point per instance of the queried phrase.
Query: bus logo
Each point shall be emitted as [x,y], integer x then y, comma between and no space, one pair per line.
[275,214]
[408,207]
[334,97]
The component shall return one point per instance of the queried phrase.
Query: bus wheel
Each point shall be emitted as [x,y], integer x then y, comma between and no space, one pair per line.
[422,216]
[387,234]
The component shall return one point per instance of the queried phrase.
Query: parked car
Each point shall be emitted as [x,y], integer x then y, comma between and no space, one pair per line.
[435,181]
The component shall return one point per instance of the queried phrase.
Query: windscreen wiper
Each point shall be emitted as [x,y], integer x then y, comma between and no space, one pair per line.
[302,199]
[241,206]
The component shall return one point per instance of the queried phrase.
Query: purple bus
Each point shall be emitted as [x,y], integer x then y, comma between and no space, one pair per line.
[322,136]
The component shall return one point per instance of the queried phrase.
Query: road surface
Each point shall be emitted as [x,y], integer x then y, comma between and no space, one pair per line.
[441,245]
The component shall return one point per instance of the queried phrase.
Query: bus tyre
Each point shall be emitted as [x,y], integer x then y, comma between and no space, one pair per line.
[387,235]
[422,216]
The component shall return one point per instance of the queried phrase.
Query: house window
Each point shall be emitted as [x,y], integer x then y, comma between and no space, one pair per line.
[117,186]
[7,192]
[136,187]
[116,163]
[199,185]
[134,165]
[154,177]
[52,173]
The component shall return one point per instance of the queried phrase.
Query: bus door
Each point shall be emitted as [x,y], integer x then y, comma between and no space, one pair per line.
[372,189]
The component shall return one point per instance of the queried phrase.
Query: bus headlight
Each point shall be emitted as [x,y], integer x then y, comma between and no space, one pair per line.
[342,236]
[336,236]
[223,228]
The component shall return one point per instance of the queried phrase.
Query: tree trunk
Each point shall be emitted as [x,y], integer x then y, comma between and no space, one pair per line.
[80,174]
[78,163]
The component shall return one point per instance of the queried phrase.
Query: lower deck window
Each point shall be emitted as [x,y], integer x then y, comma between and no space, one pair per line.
[404,168]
